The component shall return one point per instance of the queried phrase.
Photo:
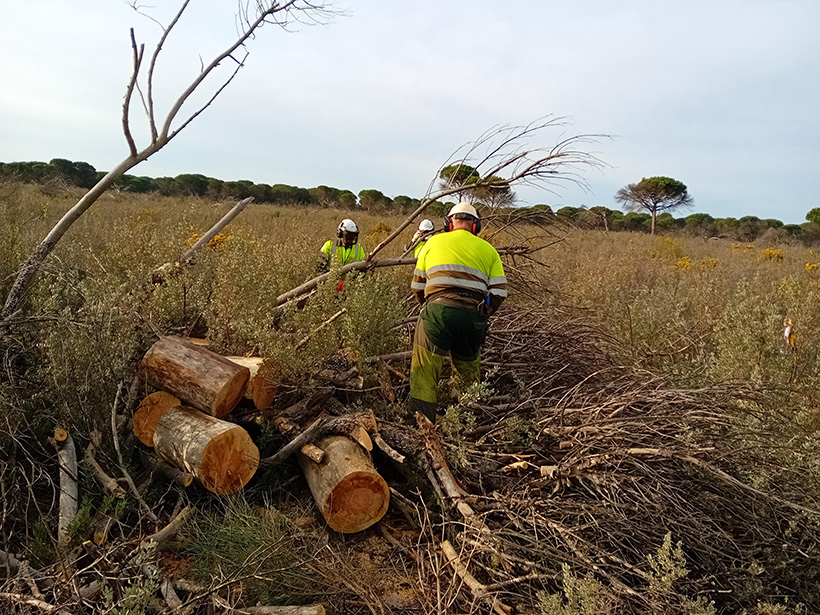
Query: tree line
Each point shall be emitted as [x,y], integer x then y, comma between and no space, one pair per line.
[498,202]
[84,175]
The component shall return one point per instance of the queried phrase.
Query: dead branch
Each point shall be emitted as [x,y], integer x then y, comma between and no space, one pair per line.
[160,274]
[110,485]
[163,535]
[298,443]
[32,602]
[177,476]
[357,266]
[67,460]
[114,432]
[479,590]
[324,325]
[267,12]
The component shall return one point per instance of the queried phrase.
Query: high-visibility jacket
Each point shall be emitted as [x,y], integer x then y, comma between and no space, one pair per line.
[418,247]
[344,256]
[460,267]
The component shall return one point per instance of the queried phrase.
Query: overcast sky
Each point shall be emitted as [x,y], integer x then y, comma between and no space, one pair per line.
[721,95]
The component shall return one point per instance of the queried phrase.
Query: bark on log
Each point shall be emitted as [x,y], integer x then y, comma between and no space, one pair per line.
[199,377]
[350,493]
[220,454]
[262,387]
[149,412]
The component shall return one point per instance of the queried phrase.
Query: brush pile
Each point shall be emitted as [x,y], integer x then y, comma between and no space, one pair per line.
[630,495]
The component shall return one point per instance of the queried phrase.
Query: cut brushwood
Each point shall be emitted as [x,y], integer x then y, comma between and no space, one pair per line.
[220,454]
[350,493]
[149,412]
[199,377]
[262,386]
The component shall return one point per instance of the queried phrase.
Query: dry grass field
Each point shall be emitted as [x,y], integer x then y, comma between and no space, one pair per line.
[625,343]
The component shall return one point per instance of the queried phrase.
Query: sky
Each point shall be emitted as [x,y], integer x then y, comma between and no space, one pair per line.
[721,95]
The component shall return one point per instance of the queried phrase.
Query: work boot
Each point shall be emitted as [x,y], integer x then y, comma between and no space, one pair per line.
[427,408]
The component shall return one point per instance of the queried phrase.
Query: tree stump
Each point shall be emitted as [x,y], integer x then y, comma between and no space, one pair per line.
[199,377]
[149,412]
[262,387]
[350,493]
[220,454]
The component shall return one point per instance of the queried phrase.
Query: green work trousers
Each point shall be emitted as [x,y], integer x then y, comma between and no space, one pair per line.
[442,330]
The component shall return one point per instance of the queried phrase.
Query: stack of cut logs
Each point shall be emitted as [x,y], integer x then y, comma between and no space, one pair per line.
[183,423]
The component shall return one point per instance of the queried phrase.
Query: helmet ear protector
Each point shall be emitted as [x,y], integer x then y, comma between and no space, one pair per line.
[475,229]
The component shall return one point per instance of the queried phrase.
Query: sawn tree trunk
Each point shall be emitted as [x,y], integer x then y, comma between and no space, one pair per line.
[199,377]
[350,493]
[220,454]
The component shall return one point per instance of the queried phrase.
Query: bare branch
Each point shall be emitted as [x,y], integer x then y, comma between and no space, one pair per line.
[165,33]
[126,105]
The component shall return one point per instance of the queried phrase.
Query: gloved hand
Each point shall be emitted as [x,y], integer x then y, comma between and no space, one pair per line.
[340,286]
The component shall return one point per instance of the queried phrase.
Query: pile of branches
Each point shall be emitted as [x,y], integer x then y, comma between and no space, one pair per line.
[667,499]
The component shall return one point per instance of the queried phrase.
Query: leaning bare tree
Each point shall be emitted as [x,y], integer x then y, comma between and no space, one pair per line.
[251,16]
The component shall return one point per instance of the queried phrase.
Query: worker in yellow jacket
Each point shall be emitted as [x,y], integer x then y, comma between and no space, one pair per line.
[347,248]
[425,231]
[343,250]
[460,281]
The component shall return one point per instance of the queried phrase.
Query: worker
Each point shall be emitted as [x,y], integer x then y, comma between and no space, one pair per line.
[425,231]
[347,249]
[460,281]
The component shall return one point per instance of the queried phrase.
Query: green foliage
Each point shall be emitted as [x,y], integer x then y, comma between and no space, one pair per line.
[253,545]
[654,195]
[79,526]
[42,544]
[373,310]
[585,596]
[136,597]
[374,200]
[667,566]
[455,175]
[814,215]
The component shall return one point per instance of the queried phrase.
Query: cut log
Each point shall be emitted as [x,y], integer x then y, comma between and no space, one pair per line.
[350,493]
[262,386]
[220,454]
[149,412]
[199,377]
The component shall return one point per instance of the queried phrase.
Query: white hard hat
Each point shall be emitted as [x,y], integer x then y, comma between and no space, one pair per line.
[465,207]
[348,226]
[426,225]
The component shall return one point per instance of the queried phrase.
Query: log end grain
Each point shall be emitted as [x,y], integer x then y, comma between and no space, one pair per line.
[229,461]
[149,412]
[358,501]
[231,393]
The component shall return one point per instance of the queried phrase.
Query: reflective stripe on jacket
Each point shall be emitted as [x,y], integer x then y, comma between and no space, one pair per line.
[459,261]
[344,256]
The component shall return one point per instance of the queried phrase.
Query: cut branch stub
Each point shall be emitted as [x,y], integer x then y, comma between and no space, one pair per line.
[220,454]
[149,412]
[350,493]
[198,376]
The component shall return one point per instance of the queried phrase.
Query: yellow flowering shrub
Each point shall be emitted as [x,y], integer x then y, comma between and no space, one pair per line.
[771,254]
